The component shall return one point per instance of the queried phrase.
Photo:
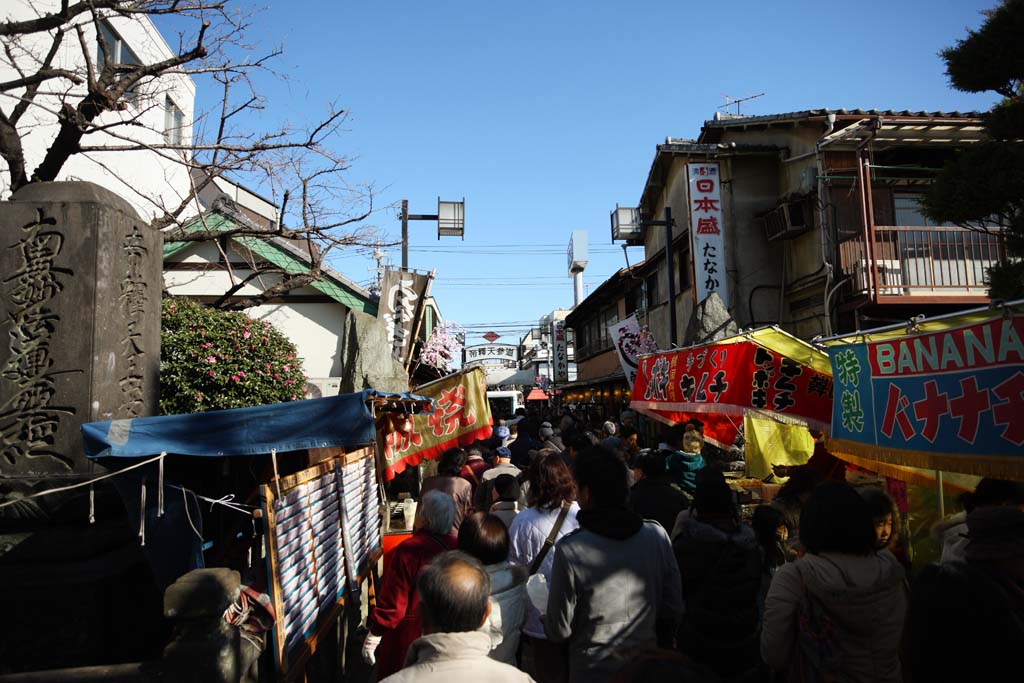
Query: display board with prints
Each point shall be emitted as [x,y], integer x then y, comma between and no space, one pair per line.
[322,536]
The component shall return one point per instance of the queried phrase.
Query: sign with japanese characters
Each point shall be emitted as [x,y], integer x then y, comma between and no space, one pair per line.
[559,352]
[631,341]
[400,297]
[957,392]
[719,383]
[707,227]
[489,354]
[461,416]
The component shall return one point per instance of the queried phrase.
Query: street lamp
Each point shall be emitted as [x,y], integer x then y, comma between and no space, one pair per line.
[450,217]
[628,225]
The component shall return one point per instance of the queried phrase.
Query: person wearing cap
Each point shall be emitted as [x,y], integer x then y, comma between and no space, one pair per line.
[966,618]
[484,492]
[548,438]
[502,434]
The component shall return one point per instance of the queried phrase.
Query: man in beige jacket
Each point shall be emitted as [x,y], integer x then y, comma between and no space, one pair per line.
[454,590]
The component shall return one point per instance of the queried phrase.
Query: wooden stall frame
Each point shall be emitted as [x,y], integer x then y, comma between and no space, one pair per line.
[292,669]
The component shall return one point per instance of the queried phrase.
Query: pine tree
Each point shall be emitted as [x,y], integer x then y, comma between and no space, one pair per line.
[983,187]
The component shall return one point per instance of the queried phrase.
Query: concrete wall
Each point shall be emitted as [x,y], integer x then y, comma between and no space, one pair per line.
[147,180]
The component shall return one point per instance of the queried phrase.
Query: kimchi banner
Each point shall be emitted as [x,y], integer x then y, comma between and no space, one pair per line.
[766,371]
[461,415]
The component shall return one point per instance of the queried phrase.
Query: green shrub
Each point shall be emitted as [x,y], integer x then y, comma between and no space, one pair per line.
[212,359]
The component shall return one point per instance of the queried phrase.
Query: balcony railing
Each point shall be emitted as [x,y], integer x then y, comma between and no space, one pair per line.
[936,264]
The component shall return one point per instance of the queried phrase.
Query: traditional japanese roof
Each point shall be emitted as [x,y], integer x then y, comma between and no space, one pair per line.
[283,253]
[731,120]
[607,291]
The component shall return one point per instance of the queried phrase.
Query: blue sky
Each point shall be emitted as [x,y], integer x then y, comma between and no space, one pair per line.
[543,115]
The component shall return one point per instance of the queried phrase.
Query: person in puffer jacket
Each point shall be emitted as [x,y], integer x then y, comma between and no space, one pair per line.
[684,460]
[720,563]
[485,537]
[838,612]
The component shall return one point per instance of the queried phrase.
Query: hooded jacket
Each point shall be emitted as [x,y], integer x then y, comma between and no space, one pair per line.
[951,532]
[451,657]
[508,610]
[612,581]
[721,573]
[683,468]
[866,598]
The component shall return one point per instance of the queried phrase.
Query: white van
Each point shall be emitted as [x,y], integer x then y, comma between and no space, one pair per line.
[504,404]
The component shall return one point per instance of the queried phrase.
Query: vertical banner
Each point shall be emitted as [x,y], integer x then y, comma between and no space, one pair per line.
[631,342]
[399,302]
[706,230]
[559,352]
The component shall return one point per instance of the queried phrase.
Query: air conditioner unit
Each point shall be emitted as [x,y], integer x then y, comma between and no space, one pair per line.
[890,276]
[323,387]
[788,220]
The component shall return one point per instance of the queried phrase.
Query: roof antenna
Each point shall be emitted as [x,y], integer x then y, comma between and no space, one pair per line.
[729,101]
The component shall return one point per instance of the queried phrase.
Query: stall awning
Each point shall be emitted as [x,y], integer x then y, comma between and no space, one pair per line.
[946,393]
[336,421]
[536,395]
[767,371]
[461,416]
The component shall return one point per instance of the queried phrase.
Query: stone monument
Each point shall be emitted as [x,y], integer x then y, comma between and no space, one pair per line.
[79,323]
[80,289]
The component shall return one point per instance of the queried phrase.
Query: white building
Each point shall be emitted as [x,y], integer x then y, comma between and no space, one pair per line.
[536,348]
[164,107]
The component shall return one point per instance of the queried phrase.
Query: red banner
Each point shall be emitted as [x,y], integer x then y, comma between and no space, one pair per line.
[461,416]
[718,383]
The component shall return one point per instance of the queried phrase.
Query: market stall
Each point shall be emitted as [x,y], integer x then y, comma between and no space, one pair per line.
[765,372]
[302,481]
[461,416]
[939,394]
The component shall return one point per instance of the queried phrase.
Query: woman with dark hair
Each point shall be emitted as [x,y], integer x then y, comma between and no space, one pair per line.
[485,537]
[836,613]
[551,514]
[449,480]
[791,498]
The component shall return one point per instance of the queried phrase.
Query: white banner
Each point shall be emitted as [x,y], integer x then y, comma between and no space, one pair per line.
[560,352]
[707,227]
[631,342]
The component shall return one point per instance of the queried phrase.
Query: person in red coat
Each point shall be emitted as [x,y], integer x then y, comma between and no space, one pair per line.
[394,623]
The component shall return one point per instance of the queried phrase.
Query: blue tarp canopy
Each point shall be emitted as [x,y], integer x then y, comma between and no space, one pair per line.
[330,422]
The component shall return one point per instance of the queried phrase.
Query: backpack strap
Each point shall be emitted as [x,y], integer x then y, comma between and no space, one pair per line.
[550,540]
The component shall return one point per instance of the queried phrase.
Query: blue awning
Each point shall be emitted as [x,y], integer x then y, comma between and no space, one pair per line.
[336,421]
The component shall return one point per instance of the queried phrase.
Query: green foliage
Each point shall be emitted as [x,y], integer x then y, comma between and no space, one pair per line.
[991,58]
[984,185]
[211,359]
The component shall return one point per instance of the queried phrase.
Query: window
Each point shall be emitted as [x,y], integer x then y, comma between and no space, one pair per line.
[653,291]
[683,266]
[110,42]
[174,123]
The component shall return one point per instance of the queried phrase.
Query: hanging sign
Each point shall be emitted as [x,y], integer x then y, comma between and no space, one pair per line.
[400,298]
[631,341]
[707,227]
[952,399]
[559,352]
[719,383]
[461,416]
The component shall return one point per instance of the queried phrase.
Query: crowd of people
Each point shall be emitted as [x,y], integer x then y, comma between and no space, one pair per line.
[570,554]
